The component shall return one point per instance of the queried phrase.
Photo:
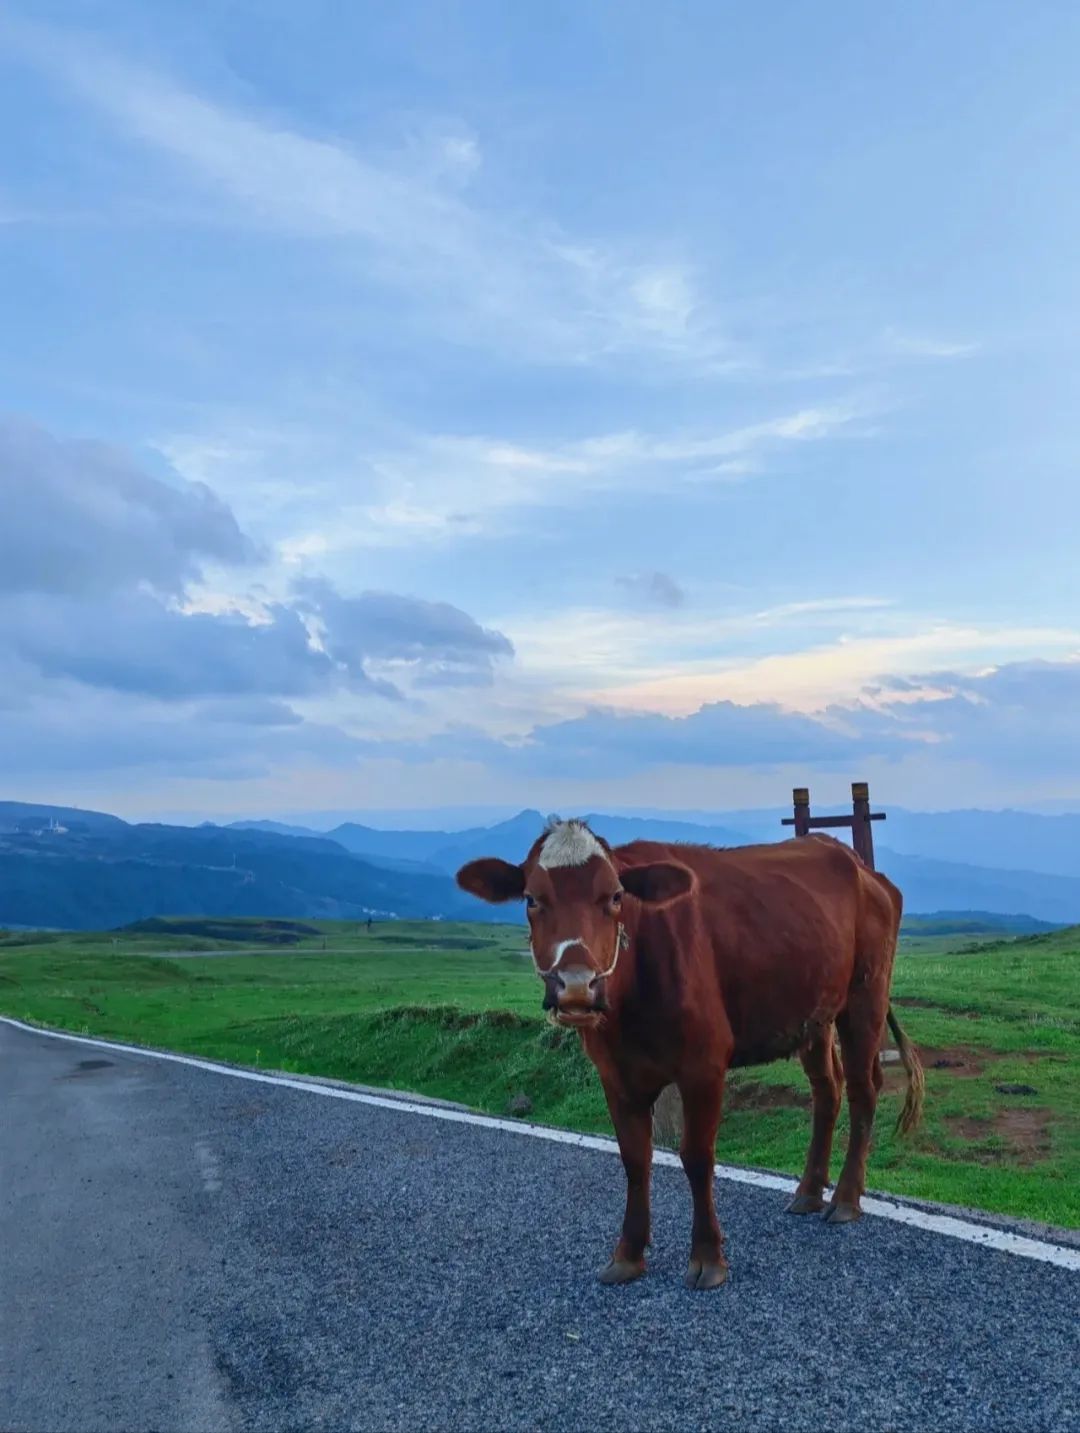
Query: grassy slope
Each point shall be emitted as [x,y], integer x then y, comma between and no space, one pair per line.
[454,1011]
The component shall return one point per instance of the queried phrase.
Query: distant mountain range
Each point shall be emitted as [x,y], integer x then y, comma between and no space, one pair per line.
[68,868]
[82,870]
[447,851]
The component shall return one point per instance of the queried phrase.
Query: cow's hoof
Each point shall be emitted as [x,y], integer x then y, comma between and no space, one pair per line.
[700,1275]
[805,1204]
[842,1213]
[621,1271]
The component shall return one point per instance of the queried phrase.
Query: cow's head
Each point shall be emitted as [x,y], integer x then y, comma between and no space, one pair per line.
[578,897]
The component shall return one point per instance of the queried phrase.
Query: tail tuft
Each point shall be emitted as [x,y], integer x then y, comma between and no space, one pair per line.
[911,1114]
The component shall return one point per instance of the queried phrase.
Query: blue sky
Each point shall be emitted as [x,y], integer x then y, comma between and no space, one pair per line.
[565,404]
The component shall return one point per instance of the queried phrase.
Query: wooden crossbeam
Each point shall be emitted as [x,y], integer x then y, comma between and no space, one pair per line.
[862,837]
[823,823]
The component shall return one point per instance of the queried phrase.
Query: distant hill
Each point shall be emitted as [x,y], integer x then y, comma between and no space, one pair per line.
[975,923]
[16,816]
[509,839]
[366,841]
[951,885]
[360,841]
[275,828]
[104,874]
[1006,840]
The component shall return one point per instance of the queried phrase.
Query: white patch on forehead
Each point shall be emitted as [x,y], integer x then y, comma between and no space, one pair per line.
[570,843]
[563,946]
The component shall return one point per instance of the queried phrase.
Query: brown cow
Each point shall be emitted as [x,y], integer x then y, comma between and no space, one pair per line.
[677,963]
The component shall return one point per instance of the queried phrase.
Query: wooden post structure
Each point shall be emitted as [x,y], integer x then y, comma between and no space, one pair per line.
[862,837]
[801,819]
[862,832]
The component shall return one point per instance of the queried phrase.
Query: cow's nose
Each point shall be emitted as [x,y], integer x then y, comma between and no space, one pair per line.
[575,986]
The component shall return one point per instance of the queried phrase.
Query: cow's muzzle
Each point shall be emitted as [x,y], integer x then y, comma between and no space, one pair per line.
[576,994]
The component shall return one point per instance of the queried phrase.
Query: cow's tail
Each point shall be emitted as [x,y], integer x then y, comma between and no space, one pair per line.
[908,1119]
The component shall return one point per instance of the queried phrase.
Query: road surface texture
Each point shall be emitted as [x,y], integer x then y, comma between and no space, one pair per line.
[184,1250]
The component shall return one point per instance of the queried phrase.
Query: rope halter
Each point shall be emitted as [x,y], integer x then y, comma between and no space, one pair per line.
[622,942]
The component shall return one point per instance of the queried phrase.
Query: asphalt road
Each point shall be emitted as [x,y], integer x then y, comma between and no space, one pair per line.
[181,1250]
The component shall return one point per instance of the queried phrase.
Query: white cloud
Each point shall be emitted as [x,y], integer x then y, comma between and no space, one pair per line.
[915,345]
[675,661]
[331,494]
[478,478]
[811,677]
[509,281]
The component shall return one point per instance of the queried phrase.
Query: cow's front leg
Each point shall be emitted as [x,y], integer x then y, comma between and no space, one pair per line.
[708,1268]
[633,1126]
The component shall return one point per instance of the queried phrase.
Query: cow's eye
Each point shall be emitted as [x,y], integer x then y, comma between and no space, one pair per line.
[616,899]
[530,902]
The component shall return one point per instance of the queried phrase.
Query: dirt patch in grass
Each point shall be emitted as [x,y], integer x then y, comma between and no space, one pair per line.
[1028,1131]
[961,1061]
[1021,1136]
[753,1095]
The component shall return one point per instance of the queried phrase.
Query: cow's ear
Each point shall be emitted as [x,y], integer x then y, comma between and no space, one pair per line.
[492,880]
[659,883]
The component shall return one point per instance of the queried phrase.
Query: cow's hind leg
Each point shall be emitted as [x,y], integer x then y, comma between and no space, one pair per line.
[633,1127]
[860,1028]
[822,1065]
[708,1268]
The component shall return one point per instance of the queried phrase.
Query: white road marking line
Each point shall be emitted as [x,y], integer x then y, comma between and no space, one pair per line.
[985,1236]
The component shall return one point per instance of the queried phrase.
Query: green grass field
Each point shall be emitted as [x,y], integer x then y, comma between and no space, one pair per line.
[454,1011]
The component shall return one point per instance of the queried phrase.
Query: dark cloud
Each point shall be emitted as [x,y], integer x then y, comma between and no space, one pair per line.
[656,588]
[604,744]
[97,557]
[83,519]
[1022,716]
[104,733]
[720,734]
[446,646]
[136,644]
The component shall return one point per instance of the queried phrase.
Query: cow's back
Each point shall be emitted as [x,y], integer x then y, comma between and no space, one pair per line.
[770,939]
